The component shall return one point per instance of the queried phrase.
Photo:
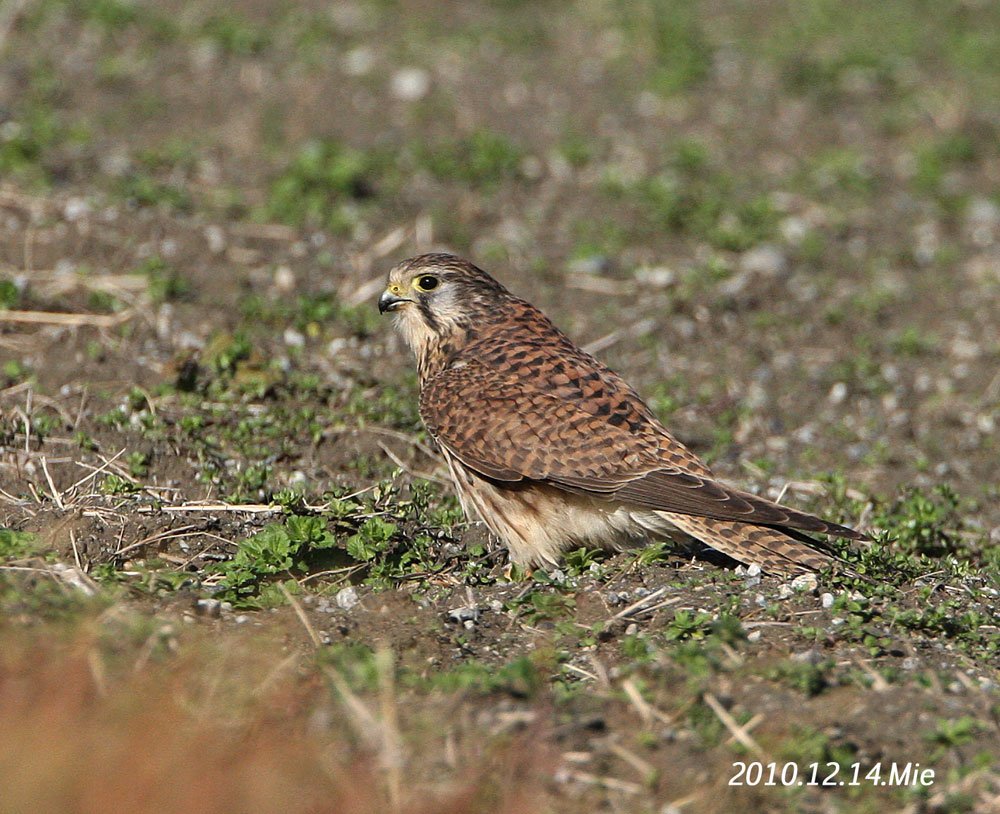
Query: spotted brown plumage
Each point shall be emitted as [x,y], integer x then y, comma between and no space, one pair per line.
[551,448]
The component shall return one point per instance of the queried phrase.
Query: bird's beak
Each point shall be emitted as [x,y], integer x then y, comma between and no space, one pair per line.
[390,301]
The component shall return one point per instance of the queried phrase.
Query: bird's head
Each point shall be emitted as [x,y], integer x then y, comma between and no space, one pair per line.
[435,296]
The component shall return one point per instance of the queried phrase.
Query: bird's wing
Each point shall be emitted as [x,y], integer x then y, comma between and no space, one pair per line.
[509,429]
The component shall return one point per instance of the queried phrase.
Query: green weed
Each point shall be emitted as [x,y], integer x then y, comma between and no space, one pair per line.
[143,189]
[923,523]
[809,679]
[687,624]
[10,293]
[690,196]
[165,284]
[951,733]
[17,544]
[321,186]
[539,606]
[670,34]
[482,159]
[277,550]
[235,34]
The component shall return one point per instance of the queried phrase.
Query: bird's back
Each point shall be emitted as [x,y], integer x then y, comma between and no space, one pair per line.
[532,350]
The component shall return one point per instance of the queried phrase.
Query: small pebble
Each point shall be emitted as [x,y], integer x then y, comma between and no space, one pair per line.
[347,598]
[284,278]
[753,570]
[464,615]
[911,663]
[805,582]
[632,629]
[216,239]
[765,259]
[75,209]
[826,600]
[754,636]
[785,591]
[812,657]
[410,84]
[293,338]
[657,277]
[359,61]
[592,264]
[209,607]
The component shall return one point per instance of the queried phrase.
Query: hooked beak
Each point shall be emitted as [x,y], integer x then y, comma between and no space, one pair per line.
[390,301]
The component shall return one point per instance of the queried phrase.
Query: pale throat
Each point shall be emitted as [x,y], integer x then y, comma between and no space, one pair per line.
[433,349]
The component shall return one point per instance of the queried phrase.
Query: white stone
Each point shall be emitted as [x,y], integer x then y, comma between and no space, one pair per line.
[764,259]
[347,598]
[805,582]
[410,84]
[655,276]
[216,239]
[75,209]
[837,393]
[358,61]
[284,278]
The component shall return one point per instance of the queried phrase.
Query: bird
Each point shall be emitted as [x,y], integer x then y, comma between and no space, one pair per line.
[553,450]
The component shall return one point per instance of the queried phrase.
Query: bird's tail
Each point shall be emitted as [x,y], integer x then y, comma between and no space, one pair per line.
[772,549]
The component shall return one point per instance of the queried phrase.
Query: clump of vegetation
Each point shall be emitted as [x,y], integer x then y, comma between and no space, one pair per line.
[235,34]
[922,523]
[143,189]
[671,36]
[278,550]
[382,538]
[482,159]
[17,544]
[322,186]
[542,606]
[33,133]
[688,195]
[10,293]
[165,283]
[805,676]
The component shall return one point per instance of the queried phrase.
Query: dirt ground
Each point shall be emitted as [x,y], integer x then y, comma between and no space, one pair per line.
[233,575]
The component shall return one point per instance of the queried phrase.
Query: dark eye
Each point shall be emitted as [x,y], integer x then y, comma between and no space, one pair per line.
[427,283]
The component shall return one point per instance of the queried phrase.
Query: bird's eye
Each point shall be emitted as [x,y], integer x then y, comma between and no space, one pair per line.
[427,283]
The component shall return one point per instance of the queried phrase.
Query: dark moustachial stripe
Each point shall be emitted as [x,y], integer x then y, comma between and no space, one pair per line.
[428,315]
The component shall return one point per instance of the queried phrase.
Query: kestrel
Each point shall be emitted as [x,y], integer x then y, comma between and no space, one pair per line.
[552,449]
